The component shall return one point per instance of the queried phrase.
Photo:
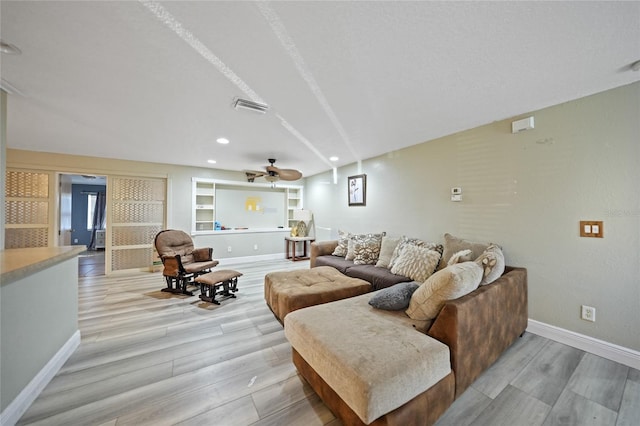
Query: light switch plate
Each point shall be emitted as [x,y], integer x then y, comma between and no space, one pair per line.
[591,228]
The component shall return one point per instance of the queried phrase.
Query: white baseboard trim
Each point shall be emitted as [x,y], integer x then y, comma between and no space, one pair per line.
[25,398]
[607,350]
[233,260]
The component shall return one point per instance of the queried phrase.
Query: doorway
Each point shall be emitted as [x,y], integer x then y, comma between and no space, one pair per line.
[80,223]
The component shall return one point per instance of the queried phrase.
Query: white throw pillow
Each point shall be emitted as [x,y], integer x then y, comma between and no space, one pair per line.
[387,247]
[492,263]
[417,263]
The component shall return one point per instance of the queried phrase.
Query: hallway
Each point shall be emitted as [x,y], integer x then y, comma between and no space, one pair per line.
[91,263]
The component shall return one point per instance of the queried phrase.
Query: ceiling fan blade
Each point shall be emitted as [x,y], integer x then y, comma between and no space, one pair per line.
[285,174]
[252,174]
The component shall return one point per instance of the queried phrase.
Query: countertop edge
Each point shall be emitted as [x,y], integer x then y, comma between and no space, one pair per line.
[61,255]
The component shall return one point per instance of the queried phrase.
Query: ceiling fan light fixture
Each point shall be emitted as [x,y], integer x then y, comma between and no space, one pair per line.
[239,103]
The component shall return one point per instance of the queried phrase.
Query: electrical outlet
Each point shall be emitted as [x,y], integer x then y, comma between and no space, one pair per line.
[588,313]
[229,249]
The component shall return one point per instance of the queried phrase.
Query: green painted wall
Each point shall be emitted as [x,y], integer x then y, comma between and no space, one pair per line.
[526,191]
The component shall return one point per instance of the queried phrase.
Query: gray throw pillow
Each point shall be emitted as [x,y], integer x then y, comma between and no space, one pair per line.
[394,298]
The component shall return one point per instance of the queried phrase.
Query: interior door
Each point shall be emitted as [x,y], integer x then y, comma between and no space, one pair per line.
[64,235]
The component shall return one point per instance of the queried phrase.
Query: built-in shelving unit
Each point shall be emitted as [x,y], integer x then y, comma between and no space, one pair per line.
[204,206]
[294,202]
[204,203]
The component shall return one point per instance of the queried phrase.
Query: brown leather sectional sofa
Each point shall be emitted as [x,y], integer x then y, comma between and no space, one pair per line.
[476,329]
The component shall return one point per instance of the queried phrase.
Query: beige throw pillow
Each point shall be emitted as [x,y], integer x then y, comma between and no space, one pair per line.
[453,245]
[417,263]
[459,257]
[449,283]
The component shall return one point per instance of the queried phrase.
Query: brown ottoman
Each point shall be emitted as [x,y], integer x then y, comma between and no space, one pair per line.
[287,291]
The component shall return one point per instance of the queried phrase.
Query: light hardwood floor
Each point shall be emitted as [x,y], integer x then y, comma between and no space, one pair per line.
[148,357]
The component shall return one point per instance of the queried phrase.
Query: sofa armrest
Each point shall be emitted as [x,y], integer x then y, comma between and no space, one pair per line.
[172,266]
[321,248]
[479,327]
[202,254]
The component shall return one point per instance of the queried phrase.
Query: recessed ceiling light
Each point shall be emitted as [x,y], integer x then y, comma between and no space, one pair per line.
[334,158]
[222,141]
[211,161]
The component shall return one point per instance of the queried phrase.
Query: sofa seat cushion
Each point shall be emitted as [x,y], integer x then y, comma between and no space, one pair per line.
[286,291]
[374,360]
[334,261]
[199,266]
[378,277]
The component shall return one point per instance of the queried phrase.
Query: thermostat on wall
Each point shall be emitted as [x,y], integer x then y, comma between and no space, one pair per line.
[456,194]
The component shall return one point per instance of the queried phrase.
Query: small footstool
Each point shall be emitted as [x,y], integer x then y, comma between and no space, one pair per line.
[287,291]
[212,281]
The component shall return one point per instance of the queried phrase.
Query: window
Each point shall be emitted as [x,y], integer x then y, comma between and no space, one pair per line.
[91,206]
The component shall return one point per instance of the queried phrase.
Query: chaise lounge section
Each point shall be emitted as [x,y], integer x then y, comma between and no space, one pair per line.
[372,366]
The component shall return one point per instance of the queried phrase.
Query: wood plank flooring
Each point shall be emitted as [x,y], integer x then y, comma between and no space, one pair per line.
[151,358]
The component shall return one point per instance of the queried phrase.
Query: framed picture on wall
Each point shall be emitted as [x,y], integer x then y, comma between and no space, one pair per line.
[357,189]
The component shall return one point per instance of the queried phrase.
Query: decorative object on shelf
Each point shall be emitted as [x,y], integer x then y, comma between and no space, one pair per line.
[357,188]
[305,226]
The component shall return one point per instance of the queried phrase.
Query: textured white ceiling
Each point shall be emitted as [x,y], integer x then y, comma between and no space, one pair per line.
[154,81]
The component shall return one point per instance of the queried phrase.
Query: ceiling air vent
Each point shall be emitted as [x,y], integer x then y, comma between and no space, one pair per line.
[253,106]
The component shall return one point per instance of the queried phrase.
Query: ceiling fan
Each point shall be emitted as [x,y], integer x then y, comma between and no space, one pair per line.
[273,173]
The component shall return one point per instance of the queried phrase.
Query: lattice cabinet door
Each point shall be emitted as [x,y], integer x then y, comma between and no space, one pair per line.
[28,206]
[136,212]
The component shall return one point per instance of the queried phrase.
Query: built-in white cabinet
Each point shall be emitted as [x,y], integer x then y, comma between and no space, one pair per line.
[204,203]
